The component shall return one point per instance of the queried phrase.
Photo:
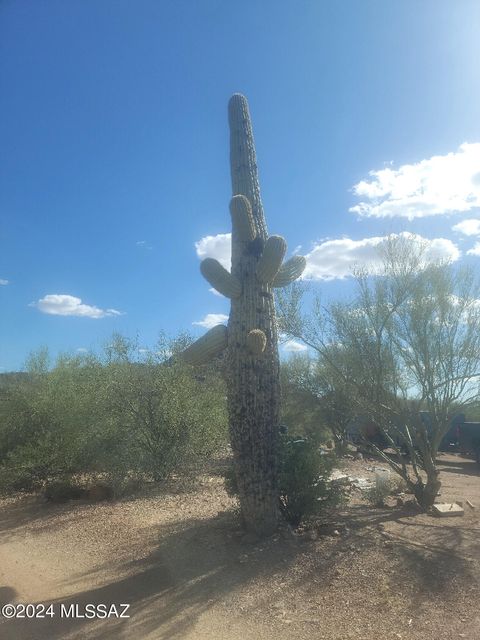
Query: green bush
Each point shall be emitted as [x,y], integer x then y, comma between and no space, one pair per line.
[174,414]
[124,414]
[304,471]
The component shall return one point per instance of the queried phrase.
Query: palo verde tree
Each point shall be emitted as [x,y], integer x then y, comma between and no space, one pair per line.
[250,340]
[406,351]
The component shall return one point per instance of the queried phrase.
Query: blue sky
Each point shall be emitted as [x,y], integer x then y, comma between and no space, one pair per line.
[114,150]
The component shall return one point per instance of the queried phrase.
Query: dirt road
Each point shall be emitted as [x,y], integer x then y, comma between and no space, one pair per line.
[178,560]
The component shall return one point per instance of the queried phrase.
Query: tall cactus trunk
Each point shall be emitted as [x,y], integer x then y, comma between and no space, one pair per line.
[253,379]
[251,336]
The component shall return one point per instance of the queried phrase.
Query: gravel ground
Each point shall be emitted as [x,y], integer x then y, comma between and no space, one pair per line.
[177,558]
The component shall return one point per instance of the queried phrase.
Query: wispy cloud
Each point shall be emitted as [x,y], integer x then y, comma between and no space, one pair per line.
[143,244]
[3,282]
[292,346]
[218,247]
[211,320]
[469,227]
[56,304]
[337,258]
[436,186]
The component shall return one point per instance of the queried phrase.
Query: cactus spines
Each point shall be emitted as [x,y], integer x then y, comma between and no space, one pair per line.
[271,259]
[290,271]
[220,278]
[253,382]
[242,219]
[256,341]
[211,344]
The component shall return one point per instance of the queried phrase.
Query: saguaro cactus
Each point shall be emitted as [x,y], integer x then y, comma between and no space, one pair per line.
[251,336]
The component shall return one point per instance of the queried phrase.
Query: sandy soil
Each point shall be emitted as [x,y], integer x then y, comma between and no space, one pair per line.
[177,558]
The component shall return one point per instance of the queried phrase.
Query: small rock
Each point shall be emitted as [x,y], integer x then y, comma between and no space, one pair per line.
[447,509]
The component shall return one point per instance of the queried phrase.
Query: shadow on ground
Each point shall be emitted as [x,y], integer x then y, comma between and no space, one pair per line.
[195,565]
[202,563]
[463,466]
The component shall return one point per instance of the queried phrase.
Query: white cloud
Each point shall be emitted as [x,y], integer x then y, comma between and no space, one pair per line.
[293,346]
[211,320]
[475,251]
[3,282]
[218,247]
[439,185]
[469,227]
[82,350]
[56,304]
[215,292]
[337,258]
[143,244]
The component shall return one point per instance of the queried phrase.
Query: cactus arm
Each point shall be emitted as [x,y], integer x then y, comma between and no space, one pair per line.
[271,259]
[242,219]
[207,347]
[289,271]
[220,278]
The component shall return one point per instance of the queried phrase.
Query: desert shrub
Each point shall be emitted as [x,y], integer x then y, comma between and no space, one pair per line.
[304,470]
[175,415]
[116,416]
[54,425]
